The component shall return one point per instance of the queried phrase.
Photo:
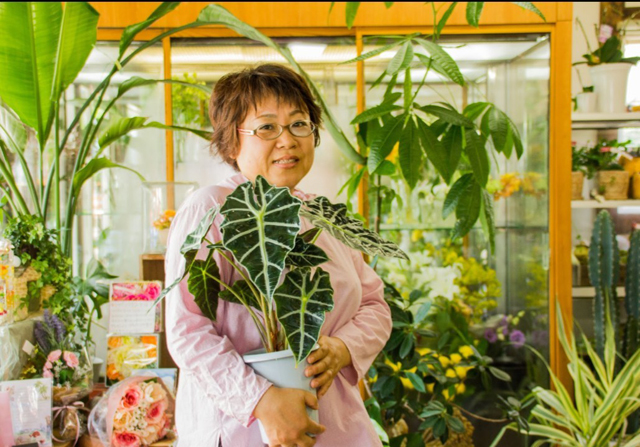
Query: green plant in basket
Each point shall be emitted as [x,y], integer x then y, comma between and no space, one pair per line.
[603,156]
[260,235]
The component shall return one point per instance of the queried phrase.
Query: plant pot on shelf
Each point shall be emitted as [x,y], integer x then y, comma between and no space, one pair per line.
[635,186]
[614,185]
[577,182]
[586,102]
[280,369]
[610,84]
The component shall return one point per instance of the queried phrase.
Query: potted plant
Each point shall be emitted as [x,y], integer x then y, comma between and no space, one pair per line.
[291,309]
[601,162]
[577,172]
[609,69]
[585,101]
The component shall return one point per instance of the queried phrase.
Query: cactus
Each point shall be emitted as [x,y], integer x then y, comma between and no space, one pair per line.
[604,272]
[632,297]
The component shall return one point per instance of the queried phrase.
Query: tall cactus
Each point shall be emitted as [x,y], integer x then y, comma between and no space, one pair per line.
[632,297]
[604,272]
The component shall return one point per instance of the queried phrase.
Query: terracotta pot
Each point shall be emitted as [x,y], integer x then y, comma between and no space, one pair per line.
[577,181]
[615,184]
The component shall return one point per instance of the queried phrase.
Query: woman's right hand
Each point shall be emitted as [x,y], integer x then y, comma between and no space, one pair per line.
[283,414]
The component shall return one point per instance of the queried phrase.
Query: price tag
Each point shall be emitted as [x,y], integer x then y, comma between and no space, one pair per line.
[28,347]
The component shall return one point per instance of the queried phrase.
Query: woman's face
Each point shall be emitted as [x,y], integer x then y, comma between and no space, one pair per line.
[283,161]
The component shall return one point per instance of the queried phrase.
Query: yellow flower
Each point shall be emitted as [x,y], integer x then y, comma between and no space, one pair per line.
[450,373]
[456,358]
[423,351]
[466,351]
[394,366]
[416,235]
[444,361]
[431,367]
[430,387]
[406,383]
[461,371]
[446,394]
[460,388]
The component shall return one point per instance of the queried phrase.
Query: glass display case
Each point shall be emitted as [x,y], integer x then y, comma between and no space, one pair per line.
[160,200]
[504,294]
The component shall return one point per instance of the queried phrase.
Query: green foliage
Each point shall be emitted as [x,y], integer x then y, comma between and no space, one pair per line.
[632,297]
[37,246]
[603,156]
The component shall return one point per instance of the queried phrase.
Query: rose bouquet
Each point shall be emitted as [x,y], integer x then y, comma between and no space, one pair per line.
[136,412]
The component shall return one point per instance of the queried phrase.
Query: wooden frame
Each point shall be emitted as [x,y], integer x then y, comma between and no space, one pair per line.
[497,19]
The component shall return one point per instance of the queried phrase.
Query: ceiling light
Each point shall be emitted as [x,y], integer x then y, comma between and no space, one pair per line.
[307,51]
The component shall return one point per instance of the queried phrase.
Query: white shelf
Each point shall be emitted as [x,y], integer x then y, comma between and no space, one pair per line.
[590,292]
[606,204]
[604,120]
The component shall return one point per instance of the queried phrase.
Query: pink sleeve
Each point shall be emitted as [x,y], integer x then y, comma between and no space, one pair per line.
[192,339]
[369,329]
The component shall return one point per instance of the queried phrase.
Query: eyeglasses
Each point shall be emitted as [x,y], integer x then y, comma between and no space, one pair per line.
[271,131]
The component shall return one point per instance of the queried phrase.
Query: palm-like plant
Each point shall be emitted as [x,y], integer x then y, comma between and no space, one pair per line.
[602,401]
[260,230]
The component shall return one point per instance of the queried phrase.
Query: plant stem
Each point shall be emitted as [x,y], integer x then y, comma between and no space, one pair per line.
[480,418]
[6,172]
[9,199]
[27,173]
[56,160]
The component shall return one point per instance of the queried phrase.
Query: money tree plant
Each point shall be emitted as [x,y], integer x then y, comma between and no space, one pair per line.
[281,271]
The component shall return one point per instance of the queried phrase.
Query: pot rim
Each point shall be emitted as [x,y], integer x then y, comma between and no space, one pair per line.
[259,355]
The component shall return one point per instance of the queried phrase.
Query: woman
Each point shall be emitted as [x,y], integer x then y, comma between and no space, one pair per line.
[266,123]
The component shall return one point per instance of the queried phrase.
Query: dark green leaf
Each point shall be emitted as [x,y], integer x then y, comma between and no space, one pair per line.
[452,147]
[433,149]
[334,219]
[459,188]
[517,141]
[444,61]
[407,345]
[136,81]
[468,210]
[410,154]
[388,4]
[408,90]
[305,254]
[478,157]
[375,112]
[457,425]
[380,50]
[351,12]
[130,32]
[475,109]
[242,289]
[383,143]
[203,285]
[500,130]
[448,115]
[386,168]
[301,303]
[402,59]
[416,381]
[439,429]
[474,11]
[488,219]
[194,240]
[260,228]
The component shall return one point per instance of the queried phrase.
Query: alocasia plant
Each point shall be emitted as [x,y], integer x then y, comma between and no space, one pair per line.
[261,229]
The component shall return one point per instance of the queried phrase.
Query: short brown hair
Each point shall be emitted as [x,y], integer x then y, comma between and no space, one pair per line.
[235,93]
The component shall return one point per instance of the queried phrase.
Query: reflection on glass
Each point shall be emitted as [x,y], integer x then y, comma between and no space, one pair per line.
[109,213]
[207,60]
[504,295]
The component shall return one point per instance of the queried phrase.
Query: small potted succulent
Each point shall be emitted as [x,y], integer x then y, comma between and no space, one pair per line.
[282,274]
[602,162]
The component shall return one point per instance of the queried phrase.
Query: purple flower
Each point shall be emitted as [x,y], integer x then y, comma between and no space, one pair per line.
[59,328]
[505,331]
[517,338]
[504,322]
[41,336]
[490,336]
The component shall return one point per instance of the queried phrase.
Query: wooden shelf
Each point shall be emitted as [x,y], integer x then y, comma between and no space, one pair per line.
[590,292]
[604,120]
[606,204]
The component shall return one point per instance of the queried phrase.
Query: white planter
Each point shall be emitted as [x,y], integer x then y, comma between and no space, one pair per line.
[586,102]
[610,84]
[280,369]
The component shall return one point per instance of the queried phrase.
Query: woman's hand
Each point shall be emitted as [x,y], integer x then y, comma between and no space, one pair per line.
[283,413]
[326,363]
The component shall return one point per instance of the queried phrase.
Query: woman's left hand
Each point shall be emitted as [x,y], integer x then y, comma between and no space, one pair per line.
[326,363]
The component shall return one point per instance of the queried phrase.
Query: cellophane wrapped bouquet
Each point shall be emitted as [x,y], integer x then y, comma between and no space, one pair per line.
[134,413]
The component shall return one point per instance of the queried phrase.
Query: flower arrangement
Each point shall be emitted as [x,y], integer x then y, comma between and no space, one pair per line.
[135,291]
[127,353]
[141,417]
[56,356]
[163,221]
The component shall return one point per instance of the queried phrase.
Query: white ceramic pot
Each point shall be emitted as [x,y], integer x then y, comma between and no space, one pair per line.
[280,369]
[586,102]
[610,84]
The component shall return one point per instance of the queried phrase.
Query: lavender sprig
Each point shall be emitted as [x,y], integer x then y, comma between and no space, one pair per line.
[41,337]
[60,330]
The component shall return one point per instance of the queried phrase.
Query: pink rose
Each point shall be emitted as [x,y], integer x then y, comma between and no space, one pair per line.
[71,359]
[131,398]
[47,374]
[48,365]
[605,149]
[125,439]
[54,355]
[152,290]
[156,412]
